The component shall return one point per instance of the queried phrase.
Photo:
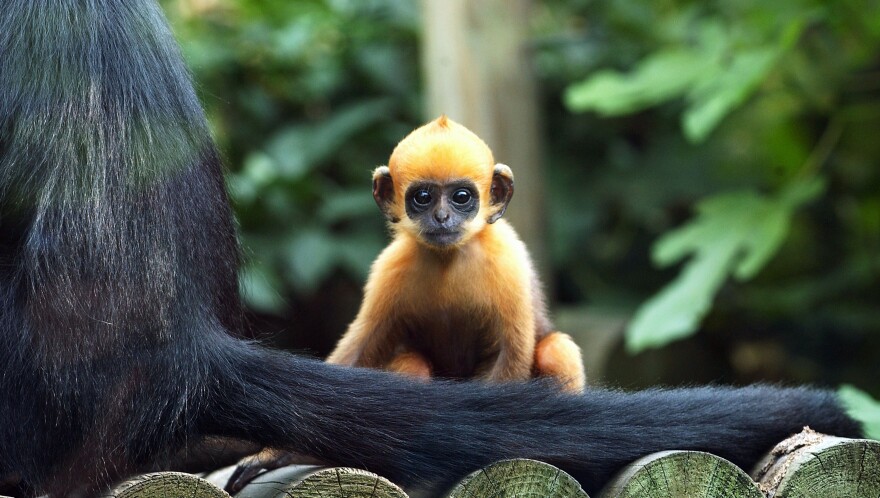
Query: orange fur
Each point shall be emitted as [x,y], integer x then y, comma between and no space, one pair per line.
[474,309]
[556,355]
[412,364]
[441,150]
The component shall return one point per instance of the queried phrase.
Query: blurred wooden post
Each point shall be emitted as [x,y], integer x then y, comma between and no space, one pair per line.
[477,66]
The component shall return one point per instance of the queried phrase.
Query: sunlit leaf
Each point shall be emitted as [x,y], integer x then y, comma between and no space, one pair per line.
[258,171]
[802,191]
[295,39]
[260,288]
[862,407]
[355,203]
[724,89]
[769,228]
[663,75]
[290,150]
[771,224]
[311,256]
[358,250]
[297,149]
[715,73]
[674,312]
[732,234]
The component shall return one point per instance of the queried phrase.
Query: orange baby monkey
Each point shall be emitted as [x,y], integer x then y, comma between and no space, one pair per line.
[455,294]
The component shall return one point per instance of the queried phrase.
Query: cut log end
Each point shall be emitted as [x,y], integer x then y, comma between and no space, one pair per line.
[519,478]
[813,464]
[681,474]
[307,481]
[167,484]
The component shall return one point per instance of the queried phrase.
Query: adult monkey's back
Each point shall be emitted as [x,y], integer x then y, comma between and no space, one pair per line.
[119,298]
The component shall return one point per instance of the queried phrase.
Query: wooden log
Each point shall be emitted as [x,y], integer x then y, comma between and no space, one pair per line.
[812,464]
[310,481]
[681,474]
[518,478]
[220,477]
[167,485]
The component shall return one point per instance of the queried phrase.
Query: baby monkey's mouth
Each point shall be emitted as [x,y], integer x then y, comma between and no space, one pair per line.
[442,237]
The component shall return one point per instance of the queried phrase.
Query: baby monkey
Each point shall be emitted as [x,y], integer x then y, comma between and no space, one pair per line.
[455,294]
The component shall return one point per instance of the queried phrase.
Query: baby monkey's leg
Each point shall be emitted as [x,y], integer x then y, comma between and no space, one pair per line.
[556,355]
[412,364]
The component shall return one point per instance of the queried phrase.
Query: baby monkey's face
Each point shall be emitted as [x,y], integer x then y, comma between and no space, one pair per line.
[442,185]
[442,211]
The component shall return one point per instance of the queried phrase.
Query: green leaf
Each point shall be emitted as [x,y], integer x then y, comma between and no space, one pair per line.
[722,221]
[732,234]
[862,407]
[769,227]
[311,256]
[258,171]
[358,250]
[300,148]
[674,312]
[660,77]
[724,89]
[349,204]
[771,222]
[802,191]
[289,148]
[260,288]
[717,69]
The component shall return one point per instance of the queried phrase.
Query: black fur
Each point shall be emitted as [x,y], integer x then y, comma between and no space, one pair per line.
[119,303]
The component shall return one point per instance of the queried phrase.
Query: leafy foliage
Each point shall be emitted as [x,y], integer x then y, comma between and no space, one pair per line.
[734,233]
[307,97]
[769,58]
[713,84]
[863,408]
[715,65]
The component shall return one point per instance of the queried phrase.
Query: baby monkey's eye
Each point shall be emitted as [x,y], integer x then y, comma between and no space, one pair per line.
[461,196]
[422,197]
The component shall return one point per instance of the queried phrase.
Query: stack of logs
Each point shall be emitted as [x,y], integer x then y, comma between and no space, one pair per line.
[806,465]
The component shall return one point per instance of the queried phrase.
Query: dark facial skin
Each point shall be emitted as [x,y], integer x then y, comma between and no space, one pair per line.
[441,210]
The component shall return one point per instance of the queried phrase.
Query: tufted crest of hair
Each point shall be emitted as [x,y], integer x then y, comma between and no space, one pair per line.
[441,150]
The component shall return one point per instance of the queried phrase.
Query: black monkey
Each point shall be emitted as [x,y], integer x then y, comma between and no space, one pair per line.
[119,305]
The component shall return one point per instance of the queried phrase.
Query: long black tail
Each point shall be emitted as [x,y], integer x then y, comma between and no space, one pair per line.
[435,433]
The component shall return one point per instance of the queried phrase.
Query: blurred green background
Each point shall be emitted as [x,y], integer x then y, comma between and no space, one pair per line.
[712,179]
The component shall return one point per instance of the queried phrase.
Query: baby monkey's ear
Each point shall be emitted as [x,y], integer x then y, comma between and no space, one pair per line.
[383,192]
[501,191]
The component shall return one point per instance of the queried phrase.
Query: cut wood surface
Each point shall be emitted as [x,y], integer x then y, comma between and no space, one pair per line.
[519,478]
[681,474]
[807,465]
[309,481]
[167,485]
[812,464]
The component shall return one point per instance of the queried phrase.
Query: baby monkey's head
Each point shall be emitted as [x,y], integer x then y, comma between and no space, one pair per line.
[442,185]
